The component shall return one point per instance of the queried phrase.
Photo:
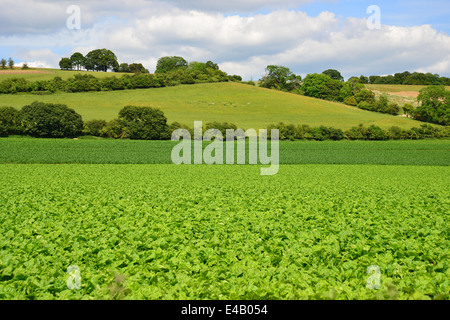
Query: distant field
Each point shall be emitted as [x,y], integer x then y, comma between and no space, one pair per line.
[246,106]
[399,94]
[57,151]
[39,74]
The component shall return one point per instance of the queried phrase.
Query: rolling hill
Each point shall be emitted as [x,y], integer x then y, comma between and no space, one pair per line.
[244,105]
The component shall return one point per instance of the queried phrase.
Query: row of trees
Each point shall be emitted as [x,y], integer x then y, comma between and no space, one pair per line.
[195,73]
[407,78]
[9,63]
[104,60]
[95,60]
[48,120]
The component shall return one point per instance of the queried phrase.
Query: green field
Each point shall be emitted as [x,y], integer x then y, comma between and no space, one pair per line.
[244,105]
[139,227]
[223,232]
[48,74]
[103,151]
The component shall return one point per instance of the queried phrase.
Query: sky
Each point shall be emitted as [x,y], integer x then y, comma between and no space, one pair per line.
[243,37]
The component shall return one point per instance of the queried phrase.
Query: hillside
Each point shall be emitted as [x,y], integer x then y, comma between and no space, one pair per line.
[244,105]
[40,74]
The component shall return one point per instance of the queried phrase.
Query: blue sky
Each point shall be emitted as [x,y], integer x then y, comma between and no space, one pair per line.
[398,13]
[242,36]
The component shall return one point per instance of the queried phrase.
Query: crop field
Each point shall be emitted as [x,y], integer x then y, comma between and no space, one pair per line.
[244,105]
[223,232]
[109,151]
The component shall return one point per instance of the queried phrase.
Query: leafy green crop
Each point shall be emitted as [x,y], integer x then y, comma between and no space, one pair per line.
[422,152]
[223,232]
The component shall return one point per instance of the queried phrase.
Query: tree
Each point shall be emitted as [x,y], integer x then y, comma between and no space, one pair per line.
[101,60]
[166,64]
[363,79]
[11,63]
[124,67]
[3,63]
[137,68]
[408,109]
[50,120]
[25,66]
[65,64]
[78,60]
[144,123]
[366,96]
[212,65]
[281,78]
[334,74]
[9,121]
[435,105]
[322,86]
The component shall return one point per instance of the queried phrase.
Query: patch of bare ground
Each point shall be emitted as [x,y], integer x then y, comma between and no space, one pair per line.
[22,71]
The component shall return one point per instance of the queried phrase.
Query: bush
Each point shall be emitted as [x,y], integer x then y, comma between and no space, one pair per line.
[9,121]
[351,101]
[94,127]
[396,133]
[50,120]
[366,106]
[376,133]
[113,129]
[176,125]
[221,126]
[365,95]
[356,133]
[144,123]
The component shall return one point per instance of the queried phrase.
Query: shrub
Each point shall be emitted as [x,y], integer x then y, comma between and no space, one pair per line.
[50,120]
[396,133]
[351,101]
[113,129]
[376,133]
[9,121]
[94,127]
[144,123]
[221,126]
[366,106]
[357,133]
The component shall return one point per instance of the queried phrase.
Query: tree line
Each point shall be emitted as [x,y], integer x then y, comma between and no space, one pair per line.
[406,78]
[47,120]
[330,85]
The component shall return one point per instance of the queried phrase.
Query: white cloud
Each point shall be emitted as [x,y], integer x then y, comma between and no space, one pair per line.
[245,45]
[42,58]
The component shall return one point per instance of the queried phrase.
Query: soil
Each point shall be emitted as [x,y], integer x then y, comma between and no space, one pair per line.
[22,71]
[413,94]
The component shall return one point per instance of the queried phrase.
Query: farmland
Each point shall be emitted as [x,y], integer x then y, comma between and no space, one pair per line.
[244,105]
[110,151]
[139,227]
[223,232]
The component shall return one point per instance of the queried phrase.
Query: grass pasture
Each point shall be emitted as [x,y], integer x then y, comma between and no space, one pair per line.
[244,105]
